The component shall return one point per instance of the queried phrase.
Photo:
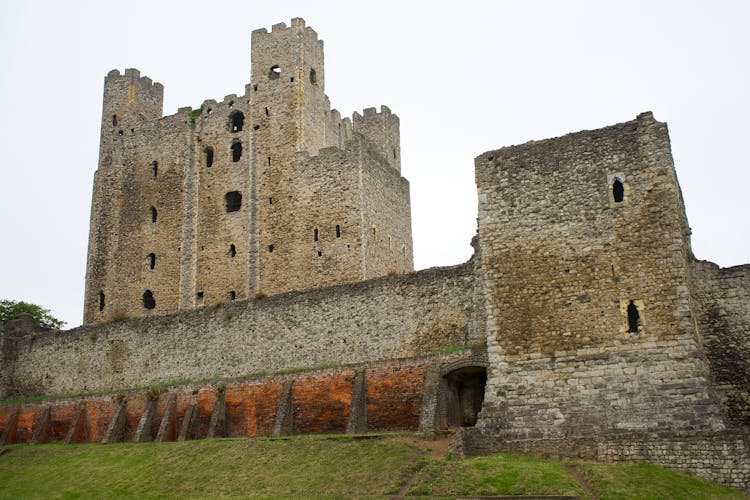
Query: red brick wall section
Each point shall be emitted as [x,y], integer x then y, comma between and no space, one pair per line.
[5,414]
[60,419]
[98,414]
[394,396]
[321,403]
[133,411]
[251,408]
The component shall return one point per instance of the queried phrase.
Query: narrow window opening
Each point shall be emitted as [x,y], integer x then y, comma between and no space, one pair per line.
[101,301]
[199,296]
[320,253]
[209,156]
[270,200]
[153,214]
[618,191]
[270,248]
[155,167]
[230,103]
[233,201]
[313,77]
[255,88]
[236,121]
[151,260]
[114,120]
[148,300]
[267,111]
[236,151]
[275,72]
[315,234]
[269,160]
[338,231]
[256,126]
[634,318]
[291,79]
[232,295]
[120,132]
[232,250]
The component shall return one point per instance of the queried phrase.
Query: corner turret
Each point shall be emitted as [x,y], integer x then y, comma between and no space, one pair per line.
[129,98]
[382,131]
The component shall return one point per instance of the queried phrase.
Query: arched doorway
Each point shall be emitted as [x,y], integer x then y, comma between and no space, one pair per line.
[464,395]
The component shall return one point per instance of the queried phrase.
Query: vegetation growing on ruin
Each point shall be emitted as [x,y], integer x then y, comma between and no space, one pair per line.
[325,466]
[194,114]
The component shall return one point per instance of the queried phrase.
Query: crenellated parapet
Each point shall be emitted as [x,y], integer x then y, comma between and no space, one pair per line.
[382,130]
[128,97]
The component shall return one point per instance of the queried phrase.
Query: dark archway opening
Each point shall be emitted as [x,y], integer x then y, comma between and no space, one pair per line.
[464,395]
[148,300]
[233,201]
[618,191]
[236,151]
[237,121]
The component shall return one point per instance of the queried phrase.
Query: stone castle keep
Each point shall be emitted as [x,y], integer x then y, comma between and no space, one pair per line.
[264,193]
[250,273]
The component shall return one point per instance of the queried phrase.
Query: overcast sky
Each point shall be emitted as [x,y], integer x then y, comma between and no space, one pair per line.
[464,77]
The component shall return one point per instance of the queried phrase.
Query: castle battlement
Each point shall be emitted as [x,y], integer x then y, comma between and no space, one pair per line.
[134,75]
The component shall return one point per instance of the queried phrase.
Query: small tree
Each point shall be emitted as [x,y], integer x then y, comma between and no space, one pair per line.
[10,309]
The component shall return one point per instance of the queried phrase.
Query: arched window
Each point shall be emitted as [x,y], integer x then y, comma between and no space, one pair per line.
[618,191]
[209,156]
[236,121]
[151,260]
[233,201]
[101,301]
[634,318]
[236,151]
[148,300]
[153,214]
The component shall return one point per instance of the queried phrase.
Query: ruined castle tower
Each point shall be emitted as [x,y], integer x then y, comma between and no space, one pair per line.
[263,193]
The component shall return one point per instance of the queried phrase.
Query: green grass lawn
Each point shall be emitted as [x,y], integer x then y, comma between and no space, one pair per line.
[316,466]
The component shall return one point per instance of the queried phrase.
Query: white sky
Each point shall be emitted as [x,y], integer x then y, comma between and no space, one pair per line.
[464,77]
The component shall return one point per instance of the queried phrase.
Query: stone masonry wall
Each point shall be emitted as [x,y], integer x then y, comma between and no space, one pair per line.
[380,319]
[723,304]
[717,456]
[562,263]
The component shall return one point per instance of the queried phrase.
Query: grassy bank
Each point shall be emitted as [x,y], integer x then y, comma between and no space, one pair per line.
[319,466]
